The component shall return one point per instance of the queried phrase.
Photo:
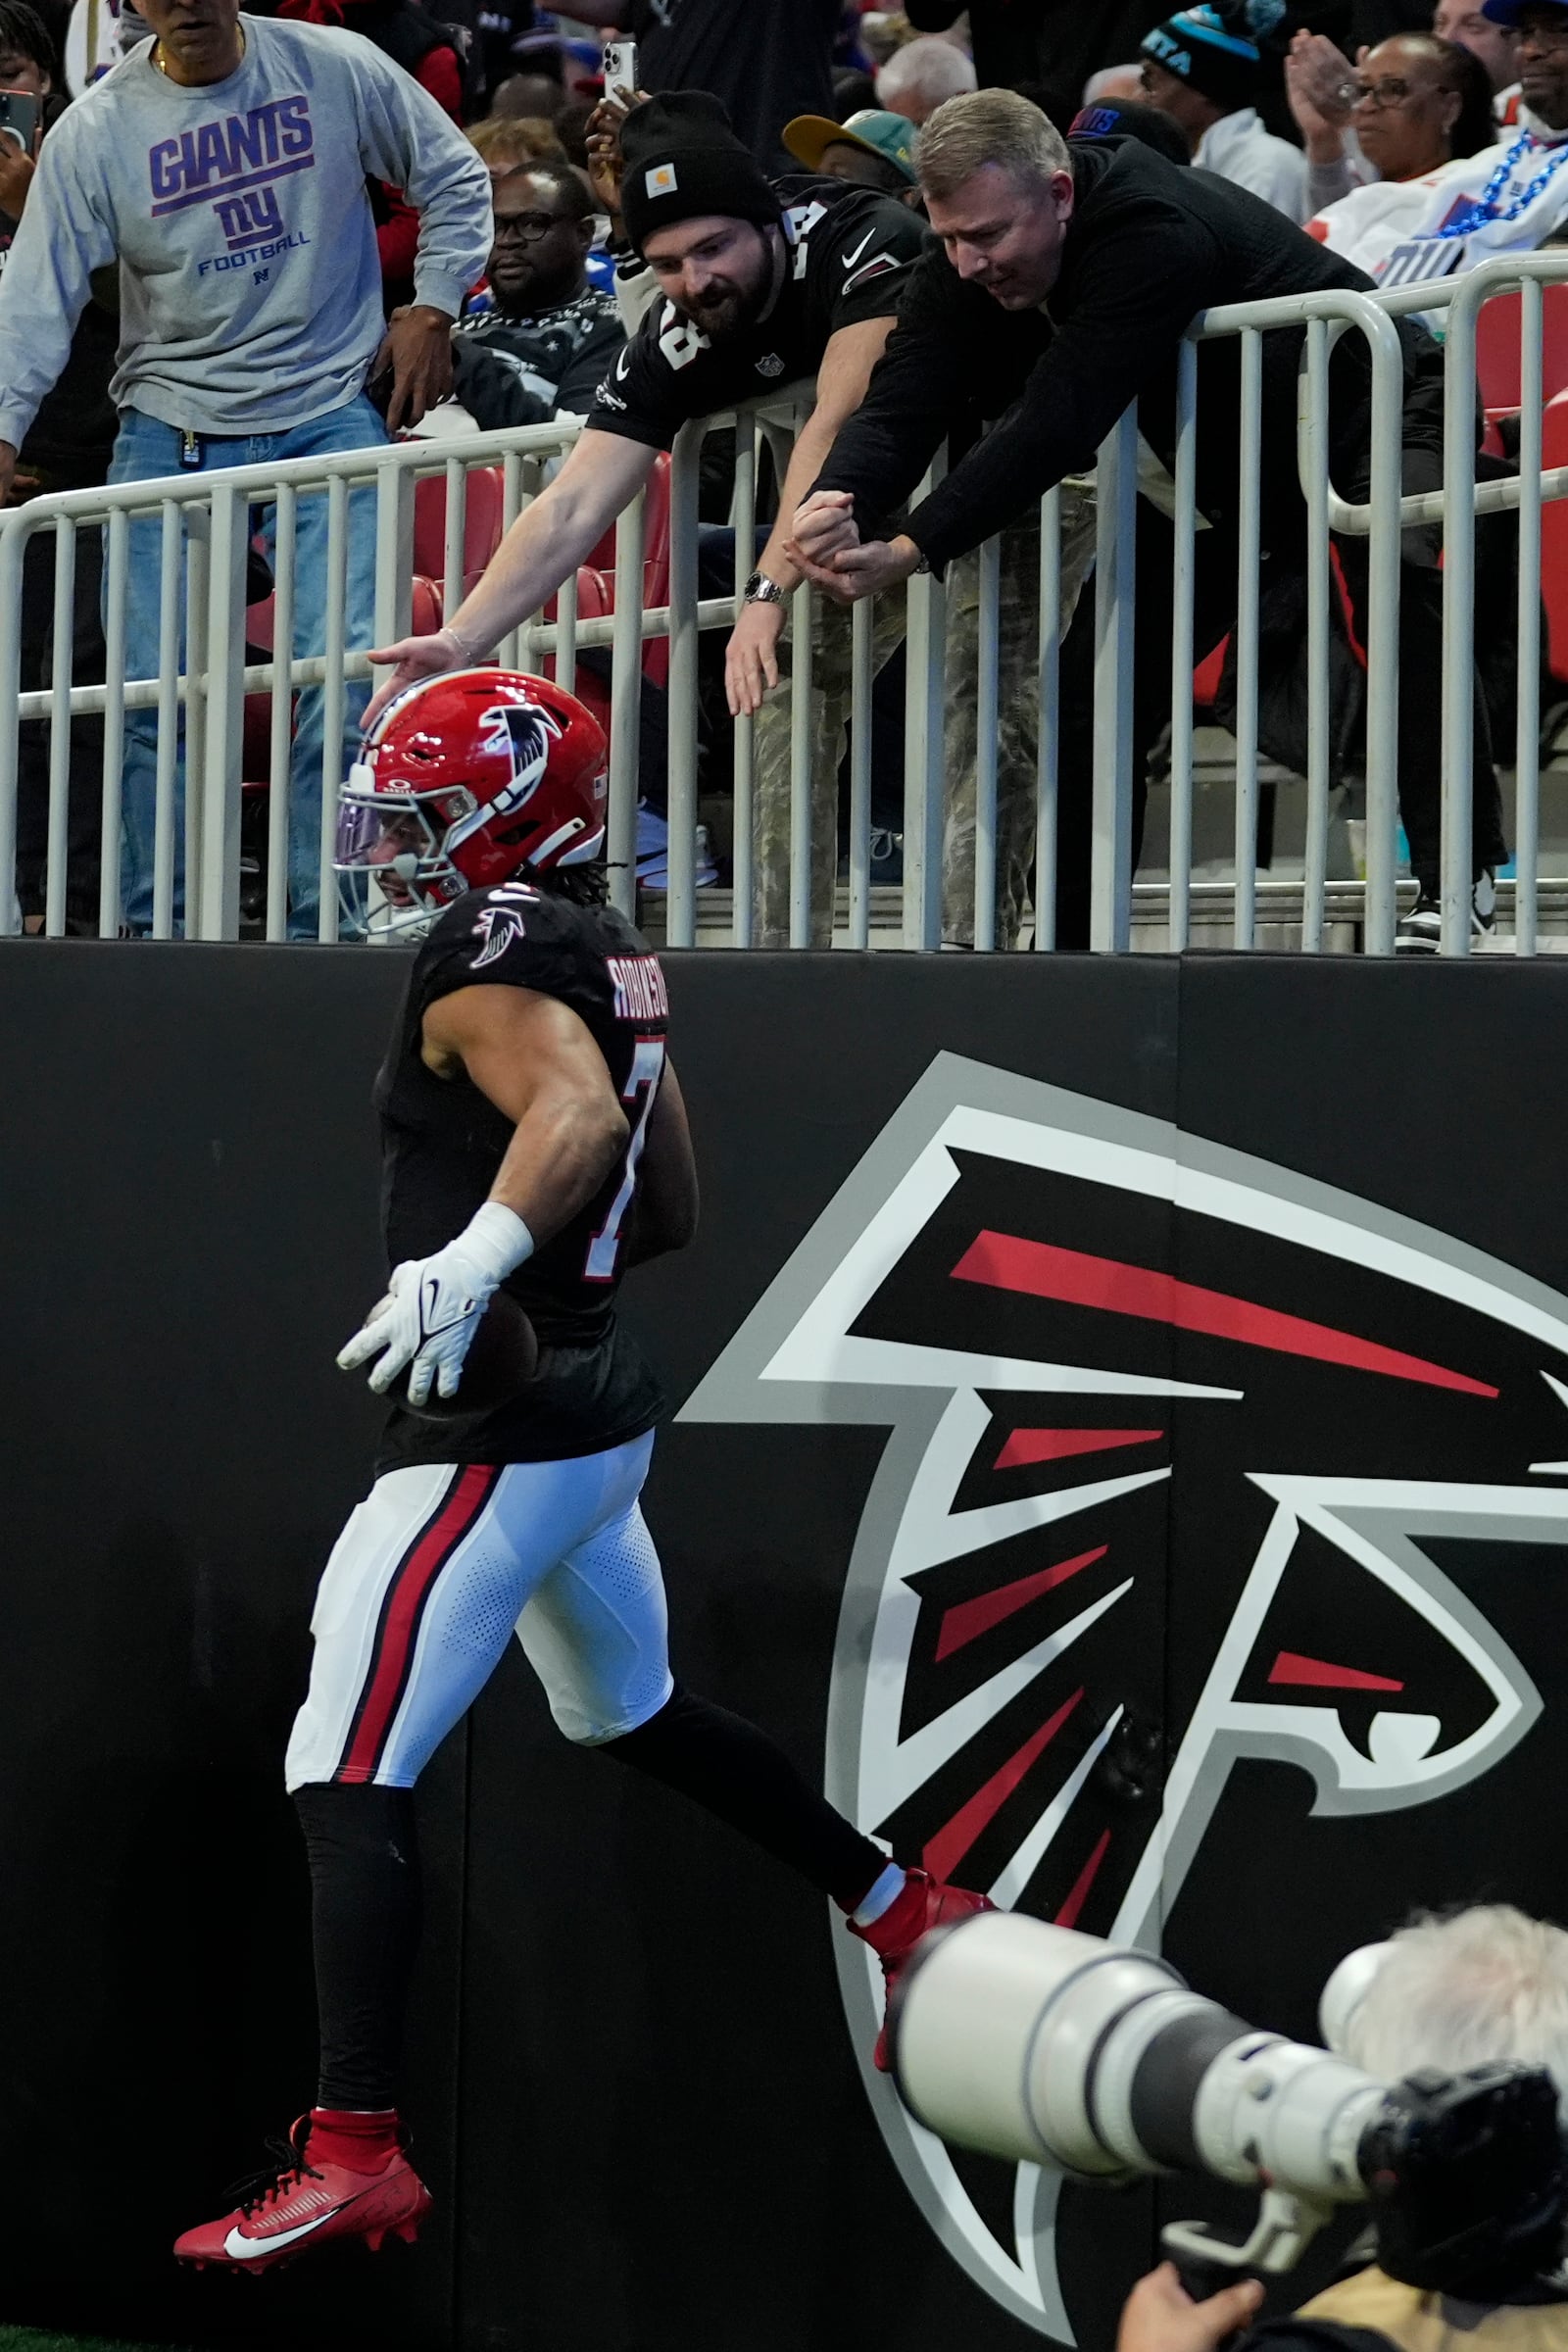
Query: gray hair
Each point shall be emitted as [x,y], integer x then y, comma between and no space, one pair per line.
[929,68]
[988,126]
[1483,1985]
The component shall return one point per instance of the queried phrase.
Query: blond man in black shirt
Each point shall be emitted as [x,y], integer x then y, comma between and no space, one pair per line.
[1065,280]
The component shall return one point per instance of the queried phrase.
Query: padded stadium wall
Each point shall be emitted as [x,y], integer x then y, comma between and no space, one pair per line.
[1299,1230]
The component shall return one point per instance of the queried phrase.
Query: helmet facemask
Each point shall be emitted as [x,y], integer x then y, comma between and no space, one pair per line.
[394,873]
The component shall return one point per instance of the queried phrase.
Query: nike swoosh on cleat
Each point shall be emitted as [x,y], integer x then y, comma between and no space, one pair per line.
[246,2249]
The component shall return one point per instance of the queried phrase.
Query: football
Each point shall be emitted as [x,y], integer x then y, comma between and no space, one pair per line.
[504,1353]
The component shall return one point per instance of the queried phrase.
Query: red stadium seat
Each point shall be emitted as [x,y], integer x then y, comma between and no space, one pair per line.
[484,502]
[1554,541]
[596,596]
[655,565]
[1498,349]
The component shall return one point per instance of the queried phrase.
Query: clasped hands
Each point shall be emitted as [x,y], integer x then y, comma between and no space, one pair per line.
[826,542]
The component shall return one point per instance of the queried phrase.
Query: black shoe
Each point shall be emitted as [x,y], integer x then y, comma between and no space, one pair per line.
[1420,932]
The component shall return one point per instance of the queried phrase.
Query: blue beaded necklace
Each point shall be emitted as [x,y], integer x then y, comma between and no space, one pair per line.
[1484,208]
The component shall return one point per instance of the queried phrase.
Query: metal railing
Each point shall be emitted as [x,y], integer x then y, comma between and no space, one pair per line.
[950,885]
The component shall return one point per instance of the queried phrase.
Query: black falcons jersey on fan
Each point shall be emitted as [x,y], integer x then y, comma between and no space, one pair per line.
[849,254]
[443,1141]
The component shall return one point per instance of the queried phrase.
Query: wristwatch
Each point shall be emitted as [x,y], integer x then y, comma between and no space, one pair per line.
[760,590]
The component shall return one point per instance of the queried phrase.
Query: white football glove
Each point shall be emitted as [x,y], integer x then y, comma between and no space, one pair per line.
[433,1304]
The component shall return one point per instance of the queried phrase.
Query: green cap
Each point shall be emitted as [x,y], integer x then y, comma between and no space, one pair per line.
[891,136]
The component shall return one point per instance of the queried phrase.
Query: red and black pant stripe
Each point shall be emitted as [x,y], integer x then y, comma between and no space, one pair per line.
[403,1606]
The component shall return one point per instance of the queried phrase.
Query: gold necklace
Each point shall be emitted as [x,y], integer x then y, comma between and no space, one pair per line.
[158,57]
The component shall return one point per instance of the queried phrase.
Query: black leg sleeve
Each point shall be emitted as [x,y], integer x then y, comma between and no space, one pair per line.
[737,1773]
[365,1921]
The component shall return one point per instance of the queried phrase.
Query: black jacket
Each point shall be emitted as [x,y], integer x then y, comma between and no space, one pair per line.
[523,371]
[1149,246]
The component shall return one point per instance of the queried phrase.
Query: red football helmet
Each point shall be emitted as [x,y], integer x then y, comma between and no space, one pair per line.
[465,780]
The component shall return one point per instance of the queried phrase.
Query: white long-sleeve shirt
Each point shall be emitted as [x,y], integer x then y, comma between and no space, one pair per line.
[250,284]
[1242,151]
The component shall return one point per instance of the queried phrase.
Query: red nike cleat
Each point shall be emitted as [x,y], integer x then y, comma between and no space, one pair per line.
[922,1904]
[311,2196]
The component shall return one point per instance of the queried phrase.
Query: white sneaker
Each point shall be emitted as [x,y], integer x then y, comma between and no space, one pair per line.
[1420,932]
[653,853]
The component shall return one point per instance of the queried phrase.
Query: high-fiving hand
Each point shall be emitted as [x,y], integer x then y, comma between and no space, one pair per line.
[826,542]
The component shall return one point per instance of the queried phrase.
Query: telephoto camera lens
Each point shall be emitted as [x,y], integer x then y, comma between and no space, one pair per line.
[1037,2043]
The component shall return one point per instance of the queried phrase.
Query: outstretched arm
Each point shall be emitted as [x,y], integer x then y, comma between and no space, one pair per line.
[751,661]
[565,523]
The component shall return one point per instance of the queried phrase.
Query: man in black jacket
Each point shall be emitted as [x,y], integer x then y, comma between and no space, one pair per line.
[1065,283]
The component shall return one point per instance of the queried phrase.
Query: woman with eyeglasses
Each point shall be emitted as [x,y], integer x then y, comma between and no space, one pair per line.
[1411,105]
[1453,191]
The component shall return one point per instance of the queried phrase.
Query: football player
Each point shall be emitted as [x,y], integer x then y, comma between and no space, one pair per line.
[534,1138]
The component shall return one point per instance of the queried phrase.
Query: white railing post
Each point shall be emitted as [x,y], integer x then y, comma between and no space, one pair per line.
[1115,589]
[1527,745]
[742,858]
[1249,600]
[1458,616]
[926,637]
[280,734]
[1383,638]
[802,654]
[625,706]
[197,554]
[171,634]
[226,711]
[117,558]
[14,535]
[394,548]
[861,622]
[334,701]
[680,905]
[1313,428]
[62,655]
[1049,676]
[988,714]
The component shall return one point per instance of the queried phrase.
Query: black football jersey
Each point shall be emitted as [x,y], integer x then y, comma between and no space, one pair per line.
[851,251]
[443,1141]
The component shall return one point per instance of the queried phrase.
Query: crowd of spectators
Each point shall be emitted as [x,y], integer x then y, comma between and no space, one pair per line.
[473,268]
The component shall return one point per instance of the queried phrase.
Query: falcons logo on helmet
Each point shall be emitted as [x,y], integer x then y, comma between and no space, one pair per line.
[524,734]
[996,1284]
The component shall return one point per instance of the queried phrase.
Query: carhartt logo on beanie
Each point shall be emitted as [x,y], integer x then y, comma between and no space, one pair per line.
[1216,48]
[682,160]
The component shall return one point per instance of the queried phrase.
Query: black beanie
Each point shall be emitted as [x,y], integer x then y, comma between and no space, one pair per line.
[682,160]
[1216,47]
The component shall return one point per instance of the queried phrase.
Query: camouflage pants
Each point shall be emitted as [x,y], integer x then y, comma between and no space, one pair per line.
[831,626]
[1017,712]
[1019,732]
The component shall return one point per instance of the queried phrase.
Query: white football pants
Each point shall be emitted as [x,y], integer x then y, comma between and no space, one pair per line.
[430,1576]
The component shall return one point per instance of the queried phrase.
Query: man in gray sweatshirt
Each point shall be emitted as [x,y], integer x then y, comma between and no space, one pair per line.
[223,166]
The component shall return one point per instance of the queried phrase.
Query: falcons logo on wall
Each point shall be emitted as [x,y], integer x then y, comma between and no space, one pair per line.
[1098,1344]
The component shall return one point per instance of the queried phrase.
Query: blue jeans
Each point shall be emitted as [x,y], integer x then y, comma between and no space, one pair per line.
[145,450]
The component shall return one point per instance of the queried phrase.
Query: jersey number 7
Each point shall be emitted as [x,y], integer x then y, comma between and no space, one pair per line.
[647,1068]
